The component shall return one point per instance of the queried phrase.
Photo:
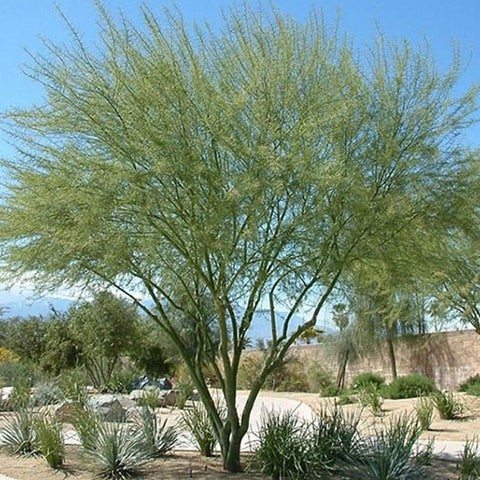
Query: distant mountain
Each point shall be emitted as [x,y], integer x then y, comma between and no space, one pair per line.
[14,304]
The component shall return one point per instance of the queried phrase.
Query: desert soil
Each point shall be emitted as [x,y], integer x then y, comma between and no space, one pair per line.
[190,465]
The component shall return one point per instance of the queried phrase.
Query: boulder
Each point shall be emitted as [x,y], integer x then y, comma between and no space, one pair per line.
[108,407]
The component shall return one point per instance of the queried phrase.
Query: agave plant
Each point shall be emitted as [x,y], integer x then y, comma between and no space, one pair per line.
[118,451]
[390,454]
[19,433]
[158,437]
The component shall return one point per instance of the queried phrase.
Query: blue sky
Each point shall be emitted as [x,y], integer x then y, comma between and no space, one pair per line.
[441,22]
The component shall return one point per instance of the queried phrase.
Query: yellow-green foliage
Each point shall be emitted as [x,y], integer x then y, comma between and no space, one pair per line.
[7,356]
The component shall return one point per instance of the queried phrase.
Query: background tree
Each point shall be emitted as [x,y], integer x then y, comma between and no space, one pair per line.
[260,163]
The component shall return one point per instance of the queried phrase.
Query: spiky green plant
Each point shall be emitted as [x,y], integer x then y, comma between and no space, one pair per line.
[449,407]
[334,436]
[158,437]
[389,454]
[19,434]
[49,439]
[197,423]
[282,447]
[470,460]
[118,451]
[424,412]
[87,425]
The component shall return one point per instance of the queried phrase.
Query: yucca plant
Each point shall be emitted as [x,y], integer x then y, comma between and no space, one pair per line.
[49,439]
[448,405]
[197,423]
[158,437]
[19,434]
[424,412]
[389,454]
[87,425]
[470,461]
[282,447]
[334,436]
[118,451]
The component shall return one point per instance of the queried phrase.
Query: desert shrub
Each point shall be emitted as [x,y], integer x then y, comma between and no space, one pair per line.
[46,394]
[49,440]
[320,380]
[197,423]
[6,356]
[185,389]
[19,435]
[282,448]
[248,370]
[365,380]
[333,436]
[73,384]
[87,425]
[330,391]
[121,379]
[469,467]
[409,386]
[449,407]
[471,386]
[149,398]
[289,377]
[20,396]
[14,372]
[424,412]
[118,451]
[370,397]
[389,454]
[158,437]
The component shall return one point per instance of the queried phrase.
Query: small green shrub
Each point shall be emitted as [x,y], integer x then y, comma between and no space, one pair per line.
[409,386]
[118,451]
[158,437]
[365,380]
[370,397]
[73,385]
[469,468]
[424,412]
[149,398]
[19,435]
[471,386]
[87,426]
[49,439]
[320,380]
[283,445]
[122,379]
[20,396]
[330,391]
[333,436]
[185,389]
[46,394]
[196,421]
[448,405]
[389,454]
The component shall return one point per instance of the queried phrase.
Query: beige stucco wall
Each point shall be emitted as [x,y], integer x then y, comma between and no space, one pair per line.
[449,357]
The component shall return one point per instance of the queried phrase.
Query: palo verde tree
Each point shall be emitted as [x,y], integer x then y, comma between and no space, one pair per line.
[251,164]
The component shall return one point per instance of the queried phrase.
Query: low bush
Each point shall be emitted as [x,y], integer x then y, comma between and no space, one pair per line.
[370,397]
[389,454]
[87,426]
[46,394]
[185,389]
[469,467]
[118,451]
[471,386]
[320,380]
[409,386]
[448,405]
[365,380]
[196,421]
[19,435]
[49,440]
[424,412]
[283,447]
[158,437]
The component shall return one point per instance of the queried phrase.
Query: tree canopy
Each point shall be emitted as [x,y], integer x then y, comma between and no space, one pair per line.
[251,165]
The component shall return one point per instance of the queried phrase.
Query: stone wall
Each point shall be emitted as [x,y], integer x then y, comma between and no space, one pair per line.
[448,357]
